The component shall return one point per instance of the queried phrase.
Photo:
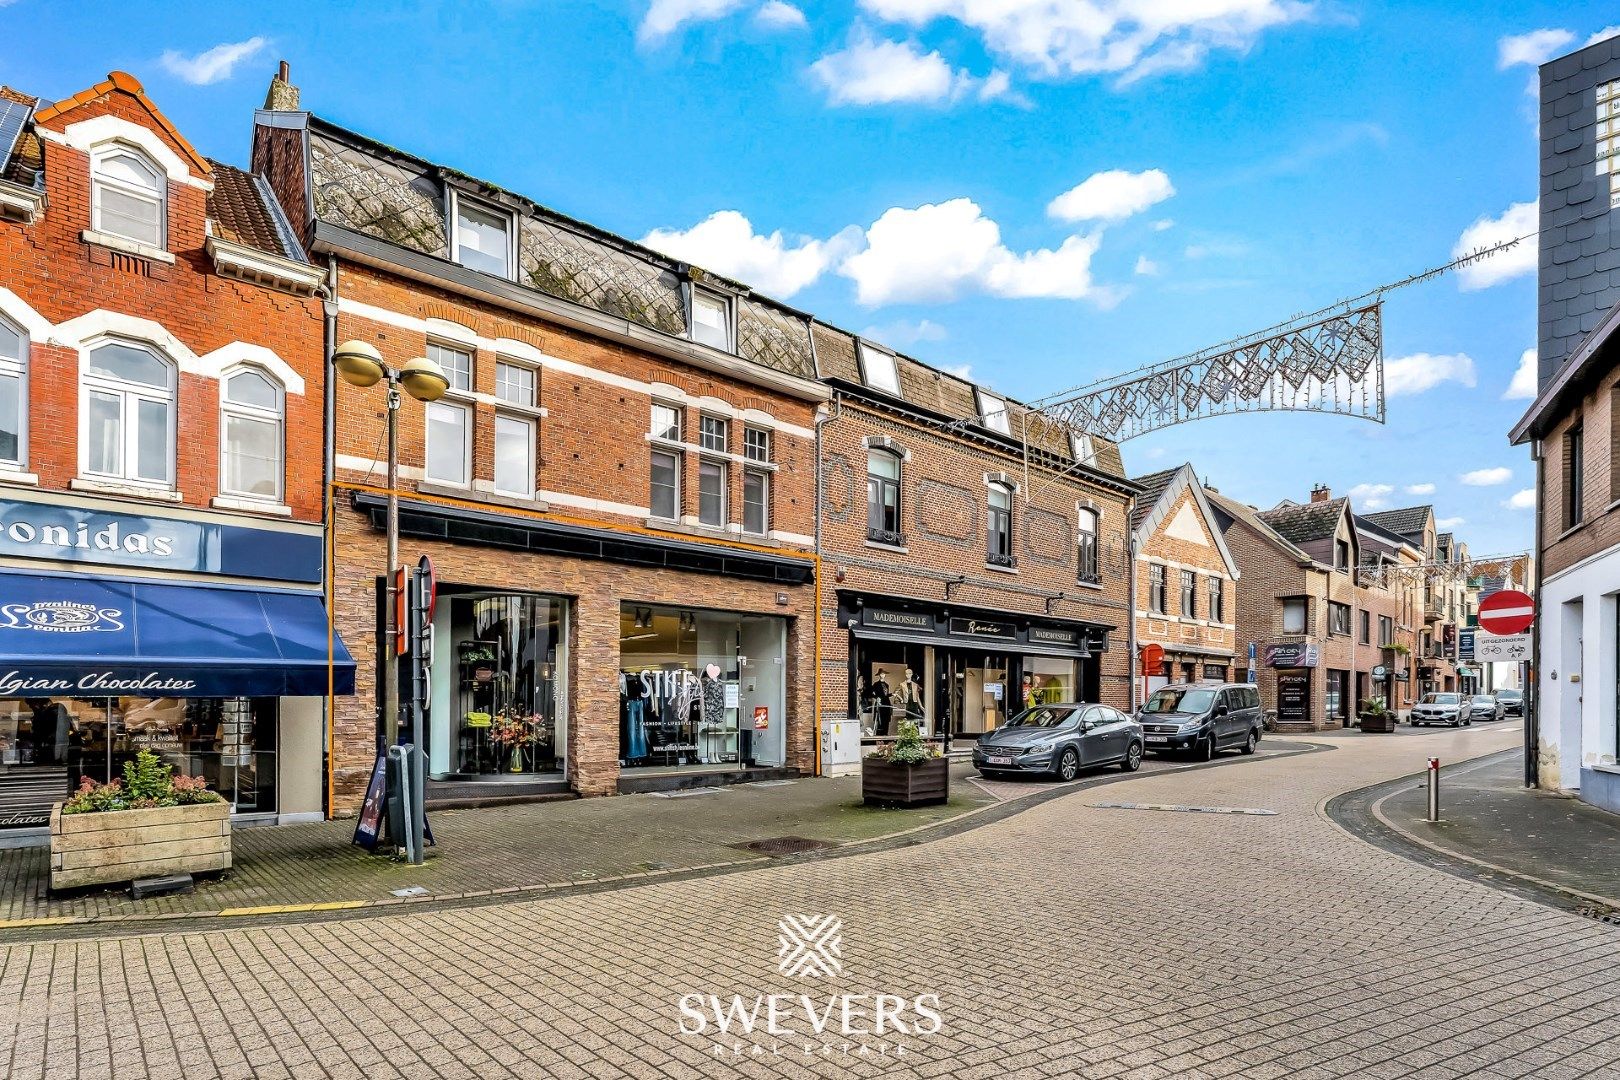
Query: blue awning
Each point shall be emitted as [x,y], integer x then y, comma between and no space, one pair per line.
[79,636]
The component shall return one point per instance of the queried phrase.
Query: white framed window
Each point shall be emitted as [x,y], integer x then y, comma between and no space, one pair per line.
[514,383]
[713,433]
[1083,449]
[1000,502]
[711,319]
[447,457]
[878,370]
[712,493]
[1608,137]
[252,422]
[756,444]
[1086,545]
[514,455]
[13,395]
[483,238]
[128,414]
[666,422]
[457,364]
[666,485]
[128,196]
[756,502]
[993,412]
[1294,617]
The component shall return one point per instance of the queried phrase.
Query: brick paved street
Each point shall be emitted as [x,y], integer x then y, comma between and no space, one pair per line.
[1065,940]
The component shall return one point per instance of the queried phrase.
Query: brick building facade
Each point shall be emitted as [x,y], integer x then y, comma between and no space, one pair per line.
[160,433]
[962,581]
[1186,583]
[617,492]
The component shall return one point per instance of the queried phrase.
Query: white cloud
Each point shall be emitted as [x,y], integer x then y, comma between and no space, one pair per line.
[1521,500]
[1450,522]
[961,371]
[212,66]
[1487,477]
[1518,220]
[664,17]
[1130,39]
[1420,489]
[1146,266]
[726,243]
[1423,371]
[902,333]
[1523,385]
[872,72]
[938,251]
[1162,224]
[1371,496]
[777,15]
[1112,196]
[1534,48]
[1602,35]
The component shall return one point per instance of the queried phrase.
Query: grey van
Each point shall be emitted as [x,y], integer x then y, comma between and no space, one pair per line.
[1202,717]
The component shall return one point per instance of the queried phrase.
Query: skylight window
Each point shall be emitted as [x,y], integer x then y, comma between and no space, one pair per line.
[993,412]
[878,370]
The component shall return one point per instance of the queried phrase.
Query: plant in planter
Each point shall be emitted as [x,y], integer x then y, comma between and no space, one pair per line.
[515,733]
[480,656]
[1376,717]
[150,822]
[907,772]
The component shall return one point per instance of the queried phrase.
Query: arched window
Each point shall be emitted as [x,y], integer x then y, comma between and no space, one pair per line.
[129,395]
[1000,527]
[251,422]
[127,196]
[13,395]
[883,498]
[1086,545]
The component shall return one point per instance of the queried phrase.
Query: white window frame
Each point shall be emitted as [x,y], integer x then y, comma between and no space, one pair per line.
[1080,530]
[98,181]
[764,479]
[1607,137]
[17,367]
[668,450]
[456,199]
[703,436]
[993,411]
[728,312]
[725,493]
[1083,448]
[765,437]
[1303,606]
[462,350]
[534,382]
[128,393]
[278,416]
[532,428]
[880,369]
[466,443]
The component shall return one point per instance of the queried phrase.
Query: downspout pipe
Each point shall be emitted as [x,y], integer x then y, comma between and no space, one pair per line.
[1131,662]
[329,311]
[1532,678]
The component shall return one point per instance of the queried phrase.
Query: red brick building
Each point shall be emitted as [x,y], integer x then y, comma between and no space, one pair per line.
[617,492]
[962,579]
[160,440]
[1186,583]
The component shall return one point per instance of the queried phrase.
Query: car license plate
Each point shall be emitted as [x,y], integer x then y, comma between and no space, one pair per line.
[1158,738]
[998,760]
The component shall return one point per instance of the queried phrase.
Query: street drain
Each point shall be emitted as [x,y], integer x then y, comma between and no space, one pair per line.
[1602,915]
[1177,809]
[785,845]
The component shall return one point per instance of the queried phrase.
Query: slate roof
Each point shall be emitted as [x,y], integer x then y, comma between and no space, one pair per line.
[1406,521]
[1305,522]
[244,211]
[1382,533]
[1251,517]
[1152,485]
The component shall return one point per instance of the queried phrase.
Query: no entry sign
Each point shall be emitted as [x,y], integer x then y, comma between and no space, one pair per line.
[1506,612]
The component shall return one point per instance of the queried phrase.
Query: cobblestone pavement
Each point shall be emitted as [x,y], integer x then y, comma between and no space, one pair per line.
[1066,940]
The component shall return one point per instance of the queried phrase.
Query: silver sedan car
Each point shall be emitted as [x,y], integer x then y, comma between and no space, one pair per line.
[1060,740]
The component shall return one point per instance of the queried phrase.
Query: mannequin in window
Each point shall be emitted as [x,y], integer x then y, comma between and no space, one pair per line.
[908,700]
[882,701]
[635,690]
[863,704]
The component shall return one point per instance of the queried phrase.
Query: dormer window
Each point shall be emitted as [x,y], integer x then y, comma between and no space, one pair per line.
[993,412]
[1080,445]
[711,320]
[127,196]
[878,370]
[483,238]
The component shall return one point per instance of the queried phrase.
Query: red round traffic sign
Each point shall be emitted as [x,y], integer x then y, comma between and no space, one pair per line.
[1507,612]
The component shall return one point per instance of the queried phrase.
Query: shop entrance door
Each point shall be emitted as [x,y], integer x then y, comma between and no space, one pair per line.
[762,671]
[979,692]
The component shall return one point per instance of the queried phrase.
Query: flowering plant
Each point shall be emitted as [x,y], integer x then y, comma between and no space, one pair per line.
[909,749]
[148,783]
[511,730]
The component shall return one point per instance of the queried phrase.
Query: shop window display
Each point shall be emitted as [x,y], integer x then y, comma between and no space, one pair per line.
[889,688]
[1048,681]
[509,665]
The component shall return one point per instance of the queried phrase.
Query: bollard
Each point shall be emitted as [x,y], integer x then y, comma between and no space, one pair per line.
[1434,789]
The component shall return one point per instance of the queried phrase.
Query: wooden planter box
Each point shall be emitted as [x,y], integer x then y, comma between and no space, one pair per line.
[884,783]
[1378,725]
[123,845]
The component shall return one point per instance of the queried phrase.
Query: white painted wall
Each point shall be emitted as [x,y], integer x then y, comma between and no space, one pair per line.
[1577,680]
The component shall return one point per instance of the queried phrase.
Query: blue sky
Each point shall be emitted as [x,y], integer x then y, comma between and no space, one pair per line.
[919,169]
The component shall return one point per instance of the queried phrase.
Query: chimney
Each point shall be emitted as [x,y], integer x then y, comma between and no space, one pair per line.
[283,95]
[1319,493]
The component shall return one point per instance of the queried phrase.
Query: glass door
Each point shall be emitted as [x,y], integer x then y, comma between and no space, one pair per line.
[979,693]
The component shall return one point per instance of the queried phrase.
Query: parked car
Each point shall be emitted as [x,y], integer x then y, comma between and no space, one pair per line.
[1204,718]
[1442,708]
[1061,740]
[1484,707]
[1512,702]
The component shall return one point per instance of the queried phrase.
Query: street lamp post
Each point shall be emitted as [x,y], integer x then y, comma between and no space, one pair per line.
[359,364]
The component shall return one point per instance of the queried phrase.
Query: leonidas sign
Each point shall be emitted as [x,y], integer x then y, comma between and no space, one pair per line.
[40,530]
